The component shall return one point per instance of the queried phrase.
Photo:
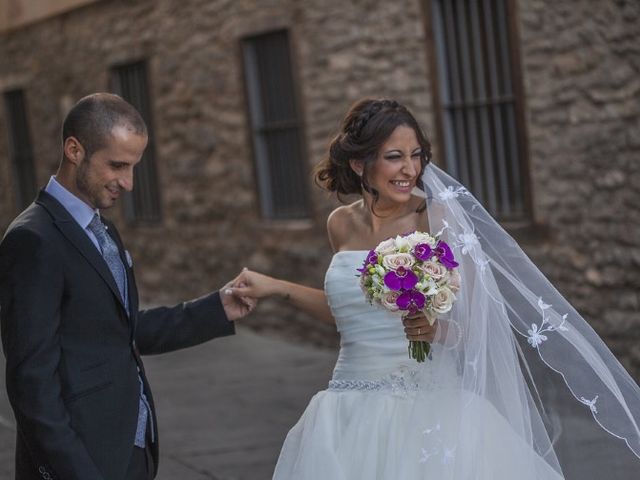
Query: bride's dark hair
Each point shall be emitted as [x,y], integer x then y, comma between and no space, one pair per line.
[365,128]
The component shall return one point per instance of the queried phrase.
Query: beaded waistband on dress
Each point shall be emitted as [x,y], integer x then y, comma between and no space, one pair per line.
[396,383]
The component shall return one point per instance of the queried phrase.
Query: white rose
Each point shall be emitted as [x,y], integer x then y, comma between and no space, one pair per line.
[398,260]
[443,300]
[388,300]
[417,238]
[454,281]
[387,247]
[435,270]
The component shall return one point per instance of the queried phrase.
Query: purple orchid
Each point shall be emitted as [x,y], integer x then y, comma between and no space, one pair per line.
[444,253]
[411,300]
[372,259]
[401,279]
[423,252]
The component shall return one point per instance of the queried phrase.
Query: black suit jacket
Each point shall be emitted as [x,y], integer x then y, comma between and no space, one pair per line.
[73,353]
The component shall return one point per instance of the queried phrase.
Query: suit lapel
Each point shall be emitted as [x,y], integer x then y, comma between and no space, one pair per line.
[79,239]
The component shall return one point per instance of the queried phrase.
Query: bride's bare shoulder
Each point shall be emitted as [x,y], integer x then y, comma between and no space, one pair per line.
[341,223]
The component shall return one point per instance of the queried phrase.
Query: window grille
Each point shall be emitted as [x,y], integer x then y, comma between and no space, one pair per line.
[275,126]
[483,137]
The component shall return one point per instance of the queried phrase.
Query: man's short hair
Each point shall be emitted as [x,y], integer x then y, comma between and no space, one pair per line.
[94,117]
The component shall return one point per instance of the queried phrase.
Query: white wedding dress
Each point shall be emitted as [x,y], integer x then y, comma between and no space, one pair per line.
[386,417]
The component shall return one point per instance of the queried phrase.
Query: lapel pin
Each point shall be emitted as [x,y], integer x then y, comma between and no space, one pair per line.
[129,260]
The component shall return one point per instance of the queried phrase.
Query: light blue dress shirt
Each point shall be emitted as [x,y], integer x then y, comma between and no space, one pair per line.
[79,210]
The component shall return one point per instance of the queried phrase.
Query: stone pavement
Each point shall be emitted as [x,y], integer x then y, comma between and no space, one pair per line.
[225,407]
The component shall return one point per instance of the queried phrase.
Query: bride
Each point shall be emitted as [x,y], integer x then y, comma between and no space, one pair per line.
[514,374]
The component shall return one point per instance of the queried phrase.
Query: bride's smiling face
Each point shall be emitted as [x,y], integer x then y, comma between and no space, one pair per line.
[397,167]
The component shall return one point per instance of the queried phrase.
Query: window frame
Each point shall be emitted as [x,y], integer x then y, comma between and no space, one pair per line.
[526,220]
[133,212]
[298,124]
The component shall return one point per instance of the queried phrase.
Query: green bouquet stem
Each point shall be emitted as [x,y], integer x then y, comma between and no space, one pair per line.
[419,351]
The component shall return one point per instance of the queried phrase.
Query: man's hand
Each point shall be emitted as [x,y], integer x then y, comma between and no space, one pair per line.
[253,285]
[419,329]
[235,306]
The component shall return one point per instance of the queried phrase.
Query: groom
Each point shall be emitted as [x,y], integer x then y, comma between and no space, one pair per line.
[71,329]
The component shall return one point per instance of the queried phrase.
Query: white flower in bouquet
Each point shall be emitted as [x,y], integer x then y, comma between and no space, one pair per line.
[386,247]
[416,238]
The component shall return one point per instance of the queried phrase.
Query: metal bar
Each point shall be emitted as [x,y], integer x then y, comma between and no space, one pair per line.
[516,174]
[256,109]
[515,180]
[450,35]
[482,111]
[503,42]
[458,120]
[470,117]
[444,79]
[497,127]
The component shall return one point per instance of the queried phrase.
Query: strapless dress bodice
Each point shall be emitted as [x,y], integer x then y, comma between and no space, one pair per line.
[372,340]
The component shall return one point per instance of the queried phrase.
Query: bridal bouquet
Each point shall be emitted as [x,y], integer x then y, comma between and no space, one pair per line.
[411,273]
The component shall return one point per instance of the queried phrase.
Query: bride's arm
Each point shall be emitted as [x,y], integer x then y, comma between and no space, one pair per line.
[310,300]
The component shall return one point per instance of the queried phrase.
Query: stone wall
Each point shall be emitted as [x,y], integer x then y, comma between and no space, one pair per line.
[581,62]
[16,13]
[211,225]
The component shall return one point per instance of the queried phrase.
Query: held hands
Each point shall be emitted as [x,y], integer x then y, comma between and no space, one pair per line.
[236,306]
[240,296]
[253,285]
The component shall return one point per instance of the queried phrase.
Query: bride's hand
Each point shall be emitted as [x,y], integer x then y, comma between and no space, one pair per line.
[418,328]
[253,285]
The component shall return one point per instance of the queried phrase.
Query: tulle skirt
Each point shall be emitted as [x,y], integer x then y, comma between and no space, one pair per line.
[386,435]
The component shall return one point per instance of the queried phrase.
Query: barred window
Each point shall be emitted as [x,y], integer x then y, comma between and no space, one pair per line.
[143,203]
[275,126]
[483,135]
[20,149]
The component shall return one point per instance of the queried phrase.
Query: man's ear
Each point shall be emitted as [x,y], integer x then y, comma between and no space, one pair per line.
[74,152]
[357,166]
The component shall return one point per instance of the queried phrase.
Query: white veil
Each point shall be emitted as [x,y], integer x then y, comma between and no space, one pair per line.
[519,346]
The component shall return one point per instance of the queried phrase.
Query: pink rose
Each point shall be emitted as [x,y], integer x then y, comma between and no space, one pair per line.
[435,270]
[388,300]
[397,260]
[443,300]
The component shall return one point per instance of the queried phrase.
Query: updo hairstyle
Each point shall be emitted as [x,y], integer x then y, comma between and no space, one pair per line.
[366,127]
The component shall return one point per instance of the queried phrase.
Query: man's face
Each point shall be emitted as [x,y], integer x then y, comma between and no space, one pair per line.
[101,178]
